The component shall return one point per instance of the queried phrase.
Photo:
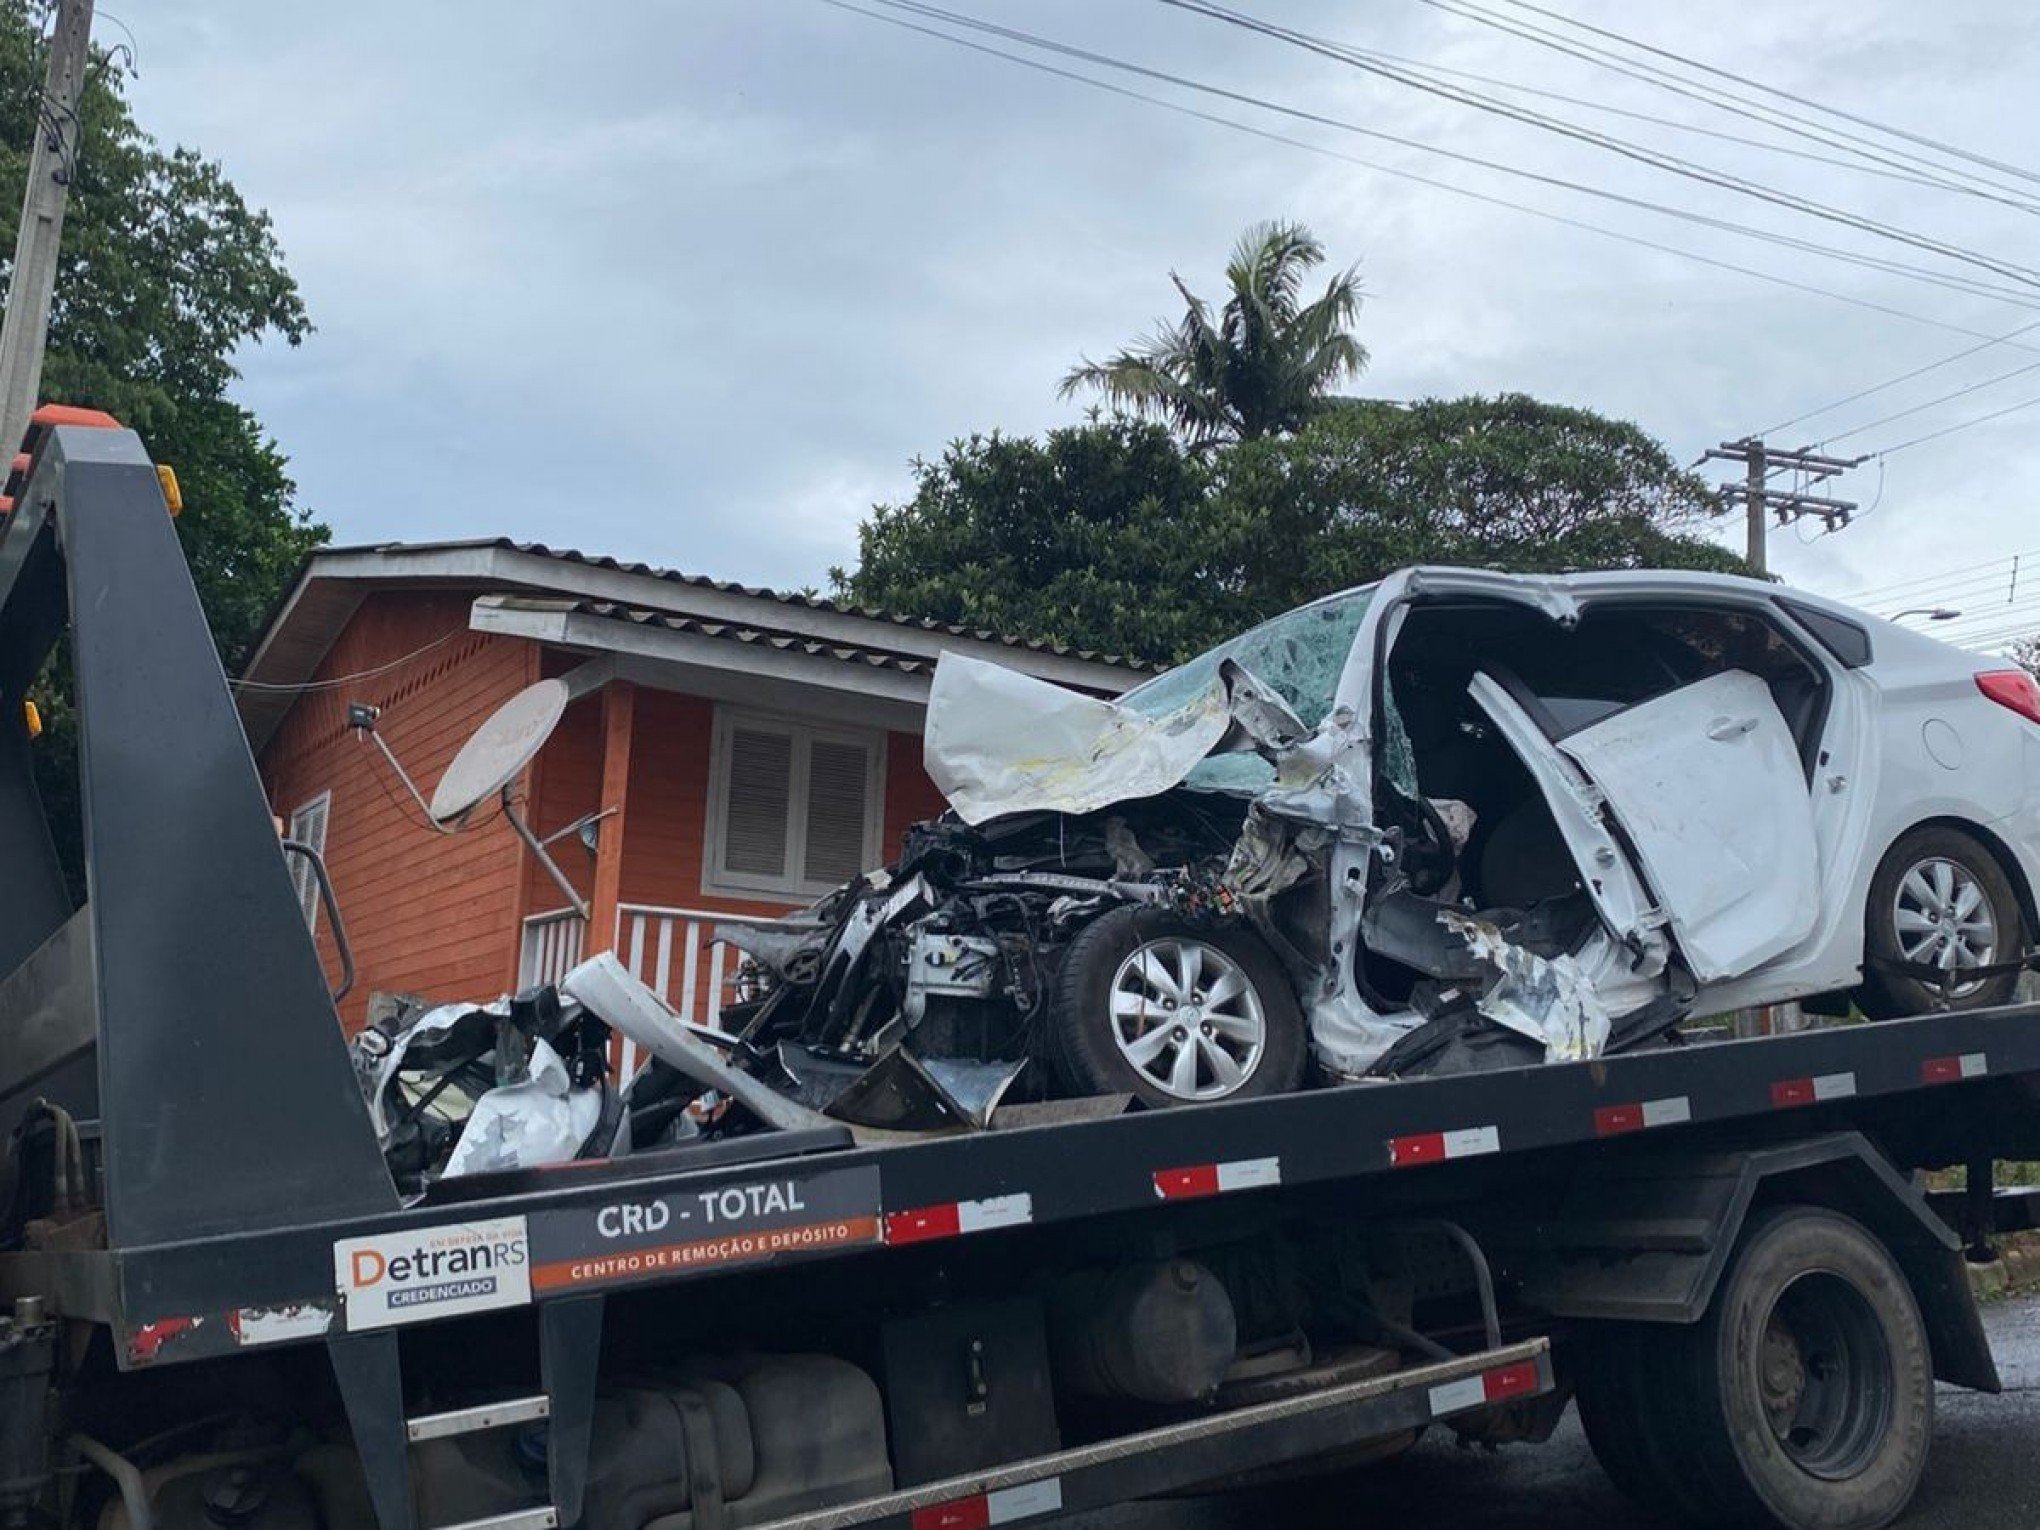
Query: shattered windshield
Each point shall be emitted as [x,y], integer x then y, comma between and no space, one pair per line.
[1298,654]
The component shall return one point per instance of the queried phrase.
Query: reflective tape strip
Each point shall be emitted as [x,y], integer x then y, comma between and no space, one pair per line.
[1201,1179]
[1490,1387]
[954,1218]
[1435,1147]
[1808,1091]
[1000,1507]
[1951,1070]
[1611,1120]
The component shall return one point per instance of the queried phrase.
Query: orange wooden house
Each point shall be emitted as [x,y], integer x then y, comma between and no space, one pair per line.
[744,750]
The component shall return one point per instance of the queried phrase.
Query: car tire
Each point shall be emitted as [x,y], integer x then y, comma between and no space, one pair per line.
[1113,1007]
[1906,890]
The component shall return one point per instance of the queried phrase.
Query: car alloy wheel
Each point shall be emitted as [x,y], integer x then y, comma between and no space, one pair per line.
[1186,1015]
[1943,918]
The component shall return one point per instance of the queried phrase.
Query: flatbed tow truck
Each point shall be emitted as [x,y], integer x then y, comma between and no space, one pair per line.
[219,1311]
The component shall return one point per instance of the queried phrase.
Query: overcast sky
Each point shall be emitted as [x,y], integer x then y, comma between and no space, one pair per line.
[694,282]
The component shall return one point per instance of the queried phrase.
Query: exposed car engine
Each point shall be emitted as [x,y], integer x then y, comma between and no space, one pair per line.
[948,962]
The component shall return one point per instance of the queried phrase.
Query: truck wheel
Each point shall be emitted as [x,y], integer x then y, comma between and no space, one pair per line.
[1146,1003]
[1620,1369]
[1941,899]
[1805,1398]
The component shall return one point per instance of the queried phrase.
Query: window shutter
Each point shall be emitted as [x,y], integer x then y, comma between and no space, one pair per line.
[308,827]
[839,776]
[760,801]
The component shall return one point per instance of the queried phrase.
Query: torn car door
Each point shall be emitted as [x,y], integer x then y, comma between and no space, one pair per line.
[1707,784]
[1618,890]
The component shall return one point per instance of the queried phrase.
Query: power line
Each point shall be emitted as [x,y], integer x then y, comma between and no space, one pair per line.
[1417,178]
[1706,95]
[1981,419]
[1994,589]
[338,681]
[1627,148]
[1244,98]
[1903,377]
[1858,164]
[2006,561]
[1784,95]
[1991,588]
[1067,50]
[1998,638]
[1932,403]
[2024,621]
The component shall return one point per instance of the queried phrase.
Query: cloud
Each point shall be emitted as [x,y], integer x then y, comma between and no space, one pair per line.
[694,282]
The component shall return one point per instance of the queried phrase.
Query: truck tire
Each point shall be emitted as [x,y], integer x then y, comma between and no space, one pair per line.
[1174,1013]
[1804,1399]
[1939,896]
[1619,1369]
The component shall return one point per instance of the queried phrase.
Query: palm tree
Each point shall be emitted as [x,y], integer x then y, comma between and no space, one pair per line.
[1264,367]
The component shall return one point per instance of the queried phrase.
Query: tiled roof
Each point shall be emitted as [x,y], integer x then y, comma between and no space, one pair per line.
[759,592]
[334,581]
[740,632]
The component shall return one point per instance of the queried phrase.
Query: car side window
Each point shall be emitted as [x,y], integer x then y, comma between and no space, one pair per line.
[1680,645]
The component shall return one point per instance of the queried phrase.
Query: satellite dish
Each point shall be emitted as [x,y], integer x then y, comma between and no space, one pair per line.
[499,749]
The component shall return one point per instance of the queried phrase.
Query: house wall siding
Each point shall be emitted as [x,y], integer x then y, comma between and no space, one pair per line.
[441,916]
[910,797]
[669,791]
[566,785]
[427,914]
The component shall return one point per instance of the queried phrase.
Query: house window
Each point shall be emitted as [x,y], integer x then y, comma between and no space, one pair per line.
[794,808]
[308,827]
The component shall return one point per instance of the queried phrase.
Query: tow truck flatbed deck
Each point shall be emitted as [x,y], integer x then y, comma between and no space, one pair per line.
[803,1196]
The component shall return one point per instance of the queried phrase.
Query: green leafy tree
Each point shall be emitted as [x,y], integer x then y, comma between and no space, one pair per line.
[1265,363]
[1113,536]
[165,273]
[1508,482]
[1099,536]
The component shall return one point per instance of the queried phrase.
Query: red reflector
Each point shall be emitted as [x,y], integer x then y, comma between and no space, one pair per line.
[960,1514]
[926,1223]
[1425,1147]
[1512,1381]
[1612,1120]
[2013,688]
[1187,1184]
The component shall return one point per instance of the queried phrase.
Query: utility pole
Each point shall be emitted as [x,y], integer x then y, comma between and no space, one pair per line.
[51,162]
[1760,500]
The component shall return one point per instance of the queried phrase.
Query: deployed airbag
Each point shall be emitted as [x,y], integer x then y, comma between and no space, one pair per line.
[999,742]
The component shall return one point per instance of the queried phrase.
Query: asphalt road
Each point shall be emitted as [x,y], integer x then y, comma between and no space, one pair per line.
[1984,1473]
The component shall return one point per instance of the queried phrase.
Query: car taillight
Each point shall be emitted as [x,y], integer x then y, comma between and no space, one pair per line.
[2014,688]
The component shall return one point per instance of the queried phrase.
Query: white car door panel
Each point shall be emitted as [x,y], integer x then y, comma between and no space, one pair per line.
[1707,782]
[1619,895]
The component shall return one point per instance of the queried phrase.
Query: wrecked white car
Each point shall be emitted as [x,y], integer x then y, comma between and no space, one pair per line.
[1453,820]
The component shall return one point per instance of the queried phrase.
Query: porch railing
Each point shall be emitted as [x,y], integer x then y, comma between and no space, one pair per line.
[551,947]
[669,950]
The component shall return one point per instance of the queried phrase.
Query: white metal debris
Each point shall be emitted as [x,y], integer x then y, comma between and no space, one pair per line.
[522,1126]
[1548,999]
